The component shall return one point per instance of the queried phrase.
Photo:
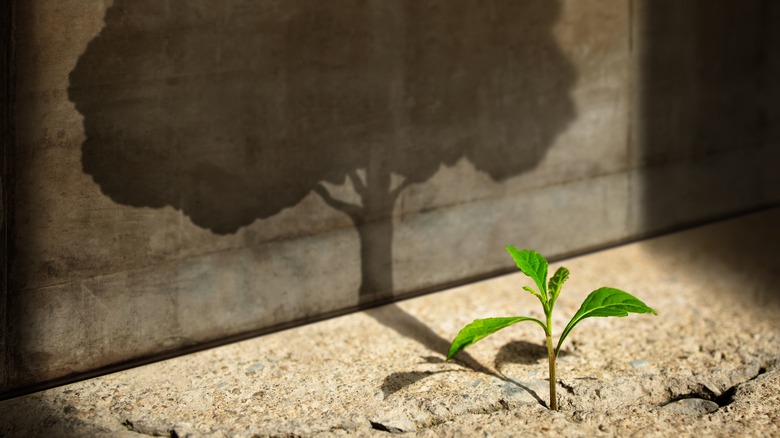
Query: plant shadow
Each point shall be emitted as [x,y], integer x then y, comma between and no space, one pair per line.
[407,325]
[522,353]
[395,382]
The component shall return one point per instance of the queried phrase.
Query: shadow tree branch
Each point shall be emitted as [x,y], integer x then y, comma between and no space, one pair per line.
[354,211]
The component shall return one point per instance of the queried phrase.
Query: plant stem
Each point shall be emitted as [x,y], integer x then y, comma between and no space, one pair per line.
[551,360]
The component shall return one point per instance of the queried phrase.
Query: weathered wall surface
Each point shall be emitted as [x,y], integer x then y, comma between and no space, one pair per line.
[186,171]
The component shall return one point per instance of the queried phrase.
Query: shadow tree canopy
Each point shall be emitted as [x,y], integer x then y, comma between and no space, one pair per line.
[232,111]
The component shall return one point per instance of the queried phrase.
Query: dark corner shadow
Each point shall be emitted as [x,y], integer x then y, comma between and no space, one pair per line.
[410,327]
[36,414]
[745,249]
[709,126]
[231,113]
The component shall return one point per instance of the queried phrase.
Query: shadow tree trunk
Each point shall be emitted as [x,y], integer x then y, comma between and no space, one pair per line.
[373,220]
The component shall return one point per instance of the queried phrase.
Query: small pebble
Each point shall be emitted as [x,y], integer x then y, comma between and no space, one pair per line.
[691,406]
[639,363]
[712,387]
[256,367]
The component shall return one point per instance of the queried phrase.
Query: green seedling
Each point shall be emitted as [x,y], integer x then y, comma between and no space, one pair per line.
[605,301]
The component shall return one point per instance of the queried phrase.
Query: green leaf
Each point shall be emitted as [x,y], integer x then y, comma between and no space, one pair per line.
[532,291]
[481,328]
[602,302]
[533,265]
[556,283]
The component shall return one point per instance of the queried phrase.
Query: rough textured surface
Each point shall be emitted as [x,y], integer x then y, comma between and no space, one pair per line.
[708,365]
[178,164]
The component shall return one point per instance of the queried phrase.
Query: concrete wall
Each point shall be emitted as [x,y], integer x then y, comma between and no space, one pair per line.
[187,171]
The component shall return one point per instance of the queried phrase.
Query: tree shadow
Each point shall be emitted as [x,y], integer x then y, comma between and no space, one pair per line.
[231,113]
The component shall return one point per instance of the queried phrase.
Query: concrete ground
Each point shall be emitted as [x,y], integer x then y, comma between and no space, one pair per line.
[708,365]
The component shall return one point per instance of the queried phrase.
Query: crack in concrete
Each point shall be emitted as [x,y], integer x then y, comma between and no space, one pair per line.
[726,397]
[130,426]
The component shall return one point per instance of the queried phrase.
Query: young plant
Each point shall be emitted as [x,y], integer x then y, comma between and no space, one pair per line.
[605,301]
